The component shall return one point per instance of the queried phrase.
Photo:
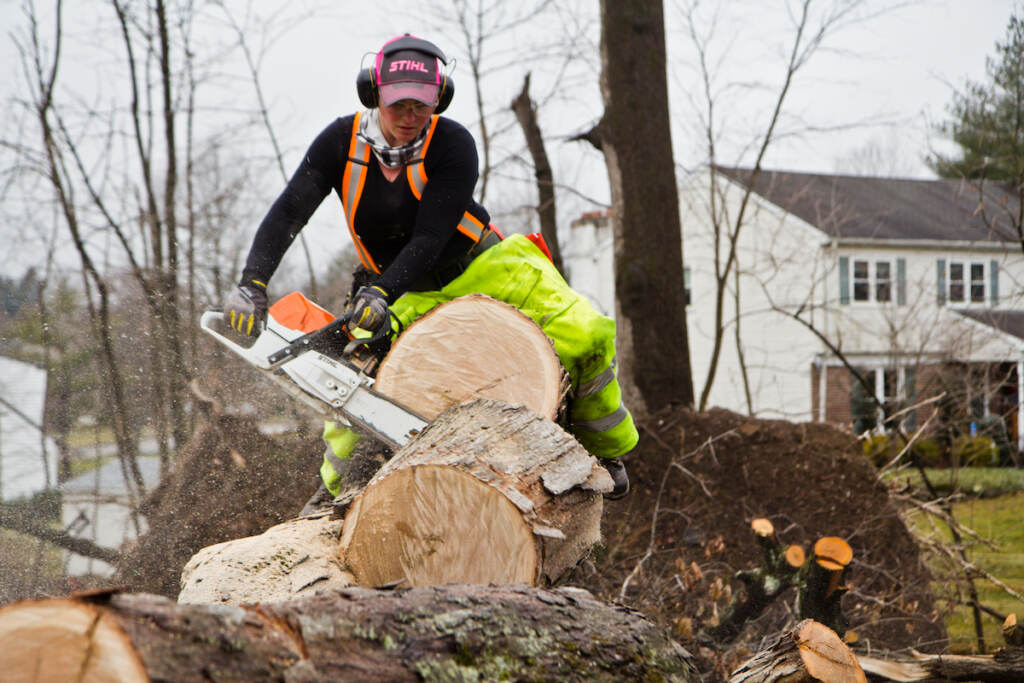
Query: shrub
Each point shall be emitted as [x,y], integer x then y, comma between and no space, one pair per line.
[880,449]
[976,451]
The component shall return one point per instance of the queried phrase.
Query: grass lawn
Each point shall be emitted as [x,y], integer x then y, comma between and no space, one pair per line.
[1000,520]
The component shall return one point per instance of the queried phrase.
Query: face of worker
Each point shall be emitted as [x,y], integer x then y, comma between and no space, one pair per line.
[402,121]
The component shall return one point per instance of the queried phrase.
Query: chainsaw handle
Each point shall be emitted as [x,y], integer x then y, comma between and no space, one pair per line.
[206,322]
[317,340]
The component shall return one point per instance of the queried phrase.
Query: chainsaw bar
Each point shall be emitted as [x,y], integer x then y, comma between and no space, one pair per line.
[333,387]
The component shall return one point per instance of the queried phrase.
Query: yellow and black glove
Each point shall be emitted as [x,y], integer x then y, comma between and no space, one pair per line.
[369,308]
[246,307]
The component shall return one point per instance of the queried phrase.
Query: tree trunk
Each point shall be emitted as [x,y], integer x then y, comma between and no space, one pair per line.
[443,633]
[810,652]
[634,136]
[522,107]
[487,493]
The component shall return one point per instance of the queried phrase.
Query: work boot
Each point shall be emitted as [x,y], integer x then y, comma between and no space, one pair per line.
[620,479]
[319,502]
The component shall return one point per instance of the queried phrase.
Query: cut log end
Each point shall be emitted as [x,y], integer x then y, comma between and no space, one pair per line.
[488,493]
[833,553]
[762,527]
[498,352]
[432,525]
[795,556]
[825,656]
[61,640]
[1013,633]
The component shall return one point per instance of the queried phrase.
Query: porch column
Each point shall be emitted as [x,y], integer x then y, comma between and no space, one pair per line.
[1020,405]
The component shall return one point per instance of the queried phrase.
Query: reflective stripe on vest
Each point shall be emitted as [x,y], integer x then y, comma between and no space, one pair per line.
[354,179]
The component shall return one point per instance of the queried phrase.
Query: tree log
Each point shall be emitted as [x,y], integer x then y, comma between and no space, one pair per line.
[487,493]
[293,559]
[810,652]
[443,633]
[468,348]
[1005,666]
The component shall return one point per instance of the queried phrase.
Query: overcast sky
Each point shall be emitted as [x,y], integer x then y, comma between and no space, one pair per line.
[897,70]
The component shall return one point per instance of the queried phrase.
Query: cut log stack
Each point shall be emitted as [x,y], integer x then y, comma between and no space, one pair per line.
[492,491]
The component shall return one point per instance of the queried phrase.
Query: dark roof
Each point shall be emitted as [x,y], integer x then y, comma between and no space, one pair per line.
[1010,322]
[857,207]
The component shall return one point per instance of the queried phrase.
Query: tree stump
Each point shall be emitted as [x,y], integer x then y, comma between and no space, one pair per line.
[810,652]
[443,633]
[821,589]
[488,493]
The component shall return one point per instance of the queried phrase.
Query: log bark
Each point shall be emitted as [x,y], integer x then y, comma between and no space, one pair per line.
[810,652]
[488,493]
[442,633]
[1005,666]
[468,348]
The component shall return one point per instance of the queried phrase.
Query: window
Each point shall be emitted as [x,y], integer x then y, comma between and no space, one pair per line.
[872,280]
[968,282]
[892,385]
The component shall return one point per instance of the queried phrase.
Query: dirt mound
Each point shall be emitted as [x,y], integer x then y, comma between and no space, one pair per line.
[700,479]
[231,481]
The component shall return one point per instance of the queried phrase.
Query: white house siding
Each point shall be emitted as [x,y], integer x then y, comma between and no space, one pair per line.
[24,467]
[921,327]
[783,267]
[588,257]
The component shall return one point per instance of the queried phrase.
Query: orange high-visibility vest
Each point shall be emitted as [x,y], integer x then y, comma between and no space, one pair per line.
[354,179]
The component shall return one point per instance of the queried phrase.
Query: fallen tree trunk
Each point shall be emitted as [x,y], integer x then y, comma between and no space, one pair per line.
[443,633]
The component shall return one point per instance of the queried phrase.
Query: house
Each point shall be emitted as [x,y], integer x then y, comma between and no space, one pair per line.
[913,284]
[28,460]
[97,506]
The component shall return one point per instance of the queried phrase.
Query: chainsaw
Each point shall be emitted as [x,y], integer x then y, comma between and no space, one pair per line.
[309,354]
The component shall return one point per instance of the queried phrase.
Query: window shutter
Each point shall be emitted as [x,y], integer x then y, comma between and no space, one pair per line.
[910,394]
[844,280]
[941,281]
[993,276]
[901,282]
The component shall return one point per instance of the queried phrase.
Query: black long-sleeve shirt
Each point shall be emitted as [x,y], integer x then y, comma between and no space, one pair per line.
[406,237]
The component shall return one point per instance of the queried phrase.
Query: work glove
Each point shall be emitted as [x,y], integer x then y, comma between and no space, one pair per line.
[246,307]
[369,308]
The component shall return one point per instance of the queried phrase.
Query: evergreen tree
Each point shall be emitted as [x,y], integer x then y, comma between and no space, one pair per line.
[988,118]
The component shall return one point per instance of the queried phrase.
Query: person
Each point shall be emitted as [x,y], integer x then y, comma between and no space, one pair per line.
[405,176]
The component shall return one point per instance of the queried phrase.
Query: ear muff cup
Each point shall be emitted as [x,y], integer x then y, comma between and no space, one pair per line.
[366,87]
